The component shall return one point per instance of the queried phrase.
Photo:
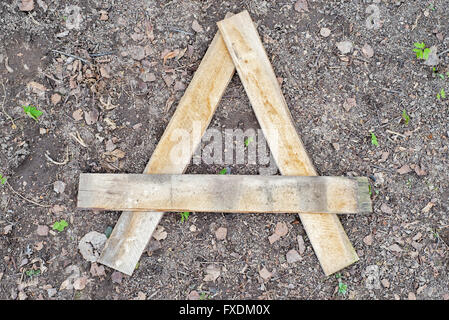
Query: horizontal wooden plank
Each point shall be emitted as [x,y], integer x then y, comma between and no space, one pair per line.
[326,234]
[192,116]
[223,193]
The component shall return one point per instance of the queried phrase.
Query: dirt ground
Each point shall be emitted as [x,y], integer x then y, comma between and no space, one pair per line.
[106,113]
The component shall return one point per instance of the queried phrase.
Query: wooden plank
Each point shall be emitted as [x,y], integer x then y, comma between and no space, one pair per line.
[326,234]
[193,114]
[223,193]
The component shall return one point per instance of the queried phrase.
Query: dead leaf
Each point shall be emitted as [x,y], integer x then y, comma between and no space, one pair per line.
[59,186]
[169,103]
[386,209]
[117,153]
[170,55]
[349,104]
[419,171]
[38,246]
[395,248]
[212,273]
[148,77]
[367,51]
[404,169]
[104,15]
[193,295]
[55,99]
[368,240]
[104,72]
[293,256]
[141,296]
[302,6]
[96,270]
[37,87]
[385,155]
[117,277]
[168,80]
[159,233]
[179,86]
[428,207]
[42,230]
[7,229]
[265,274]
[301,244]
[91,117]
[281,229]
[26,5]
[273,238]
[80,283]
[221,233]
[57,209]
[196,26]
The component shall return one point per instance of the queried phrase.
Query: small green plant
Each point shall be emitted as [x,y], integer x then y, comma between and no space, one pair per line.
[409,183]
[342,287]
[421,51]
[108,231]
[431,7]
[405,116]
[374,140]
[223,171]
[441,94]
[137,266]
[32,272]
[2,179]
[441,75]
[60,225]
[32,112]
[204,296]
[248,141]
[184,216]
[370,191]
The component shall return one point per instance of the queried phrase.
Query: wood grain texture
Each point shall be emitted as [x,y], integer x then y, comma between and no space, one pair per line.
[191,118]
[326,234]
[223,193]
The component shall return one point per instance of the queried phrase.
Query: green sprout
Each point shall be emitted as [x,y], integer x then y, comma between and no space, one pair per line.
[204,296]
[223,171]
[431,7]
[248,141]
[32,112]
[2,179]
[405,116]
[441,94]
[441,75]
[421,51]
[342,287]
[374,139]
[184,216]
[31,272]
[60,225]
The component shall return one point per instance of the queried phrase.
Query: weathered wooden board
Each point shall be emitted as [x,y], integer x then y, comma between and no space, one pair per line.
[223,193]
[326,234]
[193,114]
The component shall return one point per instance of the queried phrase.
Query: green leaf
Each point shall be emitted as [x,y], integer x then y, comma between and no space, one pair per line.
[370,190]
[420,45]
[405,116]
[60,225]
[32,272]
[342,288]
[443,94]
[2,179]
[248,141]
[441,75]
[184,216]
[108,231]
[418,53]
[438,96]
[32,112]
[374,139]
[224,171]
[426,53]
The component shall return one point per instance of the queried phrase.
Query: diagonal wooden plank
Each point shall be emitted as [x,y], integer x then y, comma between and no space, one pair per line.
[326,234]
[223,193]
[191,118]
